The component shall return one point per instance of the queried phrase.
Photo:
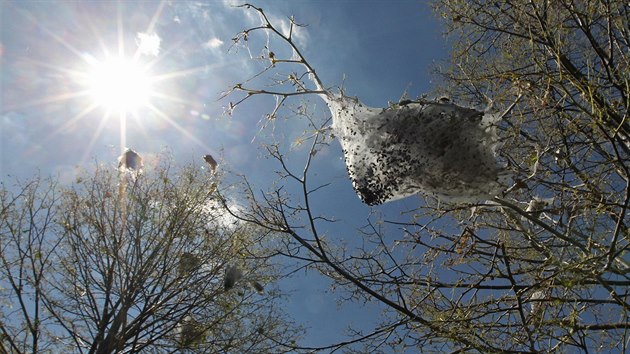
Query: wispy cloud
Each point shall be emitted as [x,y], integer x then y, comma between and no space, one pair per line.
[213,43]
[148,44]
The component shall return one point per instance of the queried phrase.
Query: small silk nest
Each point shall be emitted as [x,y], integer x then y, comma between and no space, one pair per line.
[129,160]
[232,275]
[434,148]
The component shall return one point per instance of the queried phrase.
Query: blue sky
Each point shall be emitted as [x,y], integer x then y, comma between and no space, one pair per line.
[48,126]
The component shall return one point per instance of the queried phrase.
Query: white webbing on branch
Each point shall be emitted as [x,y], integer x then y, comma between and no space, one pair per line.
[438,149]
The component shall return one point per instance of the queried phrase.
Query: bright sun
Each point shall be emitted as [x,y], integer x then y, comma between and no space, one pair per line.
[119,85]
[123,86]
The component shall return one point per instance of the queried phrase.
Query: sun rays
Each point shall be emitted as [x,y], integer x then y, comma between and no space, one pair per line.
[113,81]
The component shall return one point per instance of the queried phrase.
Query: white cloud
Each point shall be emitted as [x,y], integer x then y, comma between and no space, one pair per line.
[219,217]
[232,3]
[213,43]
[148,44]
